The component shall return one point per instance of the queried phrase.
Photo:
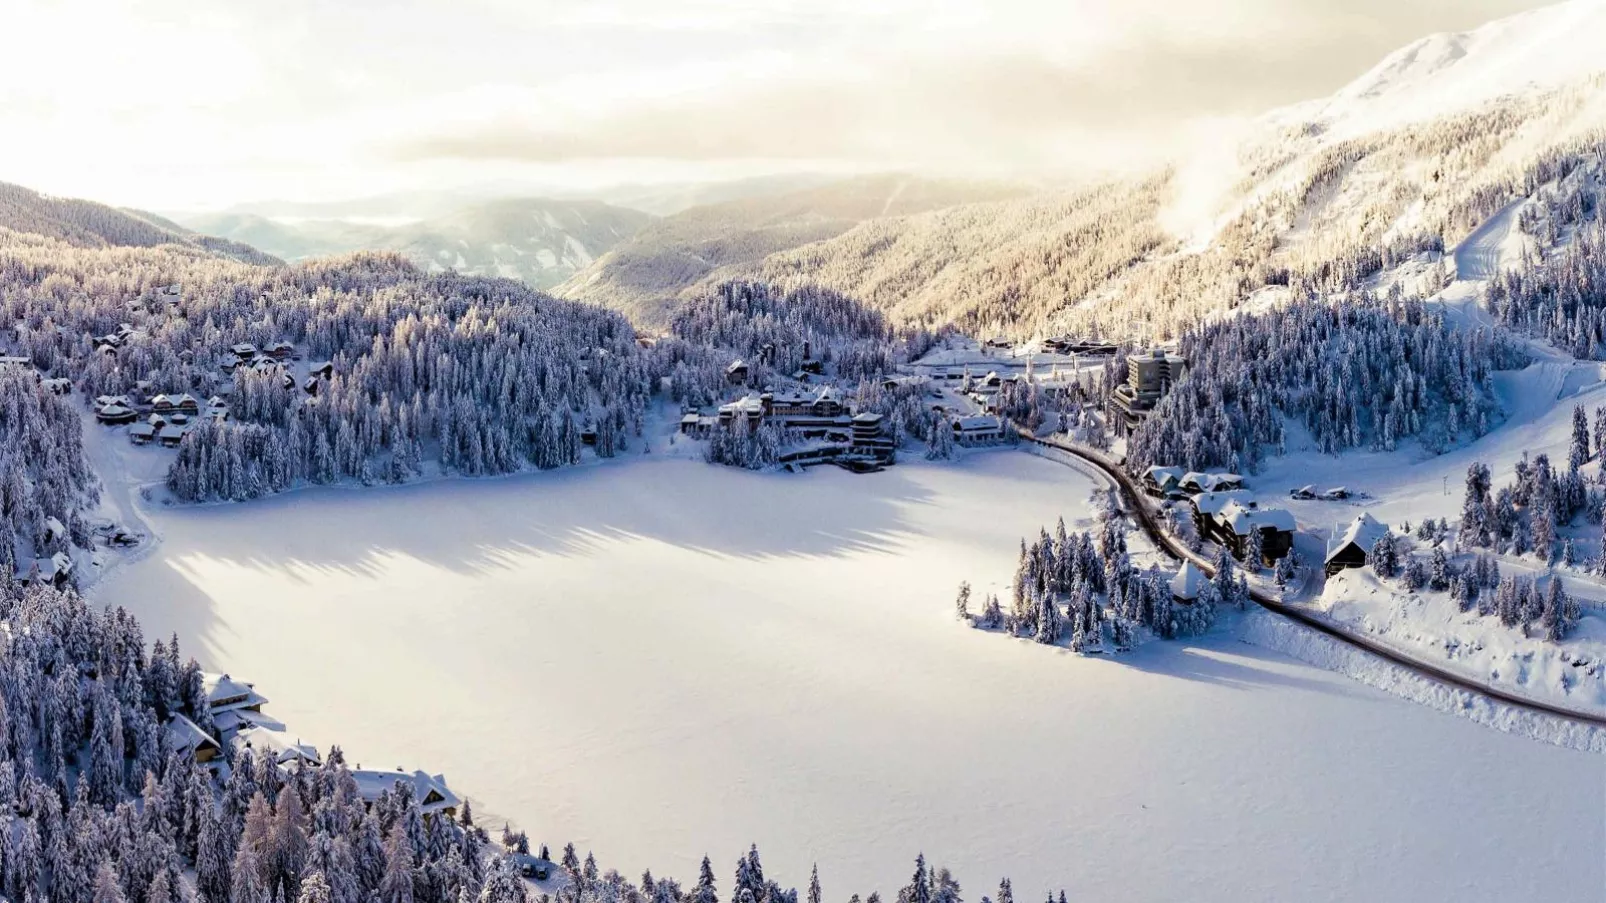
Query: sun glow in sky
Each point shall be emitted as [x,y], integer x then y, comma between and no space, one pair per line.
[172,104]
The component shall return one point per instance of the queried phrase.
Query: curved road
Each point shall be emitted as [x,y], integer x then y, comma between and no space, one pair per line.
[1162,540]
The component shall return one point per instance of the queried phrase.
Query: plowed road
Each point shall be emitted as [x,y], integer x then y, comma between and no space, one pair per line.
[1144,514]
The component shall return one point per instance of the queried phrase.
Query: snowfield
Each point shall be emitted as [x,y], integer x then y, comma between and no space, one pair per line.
[658,659]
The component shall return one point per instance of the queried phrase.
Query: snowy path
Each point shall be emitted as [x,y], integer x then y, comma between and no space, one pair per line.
[1479,257]
[647,660]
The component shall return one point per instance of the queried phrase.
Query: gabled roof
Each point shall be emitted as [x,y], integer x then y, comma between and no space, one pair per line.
[1211,504]
[1163,475]
[231,719]
[283,747]
[430,790]
[224,692]
[1188,582]
[184,734]
[1241,517]
[977,422]
[1210,481]
[1364,531]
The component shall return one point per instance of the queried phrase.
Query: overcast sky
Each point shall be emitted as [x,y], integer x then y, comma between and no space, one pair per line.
[174,104]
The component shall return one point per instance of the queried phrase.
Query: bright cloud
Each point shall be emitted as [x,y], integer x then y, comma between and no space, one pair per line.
[166,103]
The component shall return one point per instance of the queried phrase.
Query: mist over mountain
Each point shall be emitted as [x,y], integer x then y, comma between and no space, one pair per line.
[537,241]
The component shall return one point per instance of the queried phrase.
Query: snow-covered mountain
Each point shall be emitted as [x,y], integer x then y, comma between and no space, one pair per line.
[538,241]
[1454,72]
[1399,166]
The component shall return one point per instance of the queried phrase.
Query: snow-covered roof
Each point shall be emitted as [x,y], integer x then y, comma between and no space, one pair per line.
[751,404]
[1241,517]
[977,423]
[54,528]
[867,417]
[143,430]
[1188,582]
[1163,475]
[1210,482]
[172,431]
[224,692]
[1364,531]
[430,790]
[184,734]
[735,365]
[242,719]
[285,749]
[1211,504]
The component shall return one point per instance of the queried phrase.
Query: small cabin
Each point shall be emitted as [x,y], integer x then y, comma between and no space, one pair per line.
[1351,547]
[1238,521]
[736,373]
[225,694]
[171,435]
[983,429]
[113,414]
[141,434]
[1161,482]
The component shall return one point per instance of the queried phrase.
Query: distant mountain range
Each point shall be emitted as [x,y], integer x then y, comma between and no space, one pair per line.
[538,241]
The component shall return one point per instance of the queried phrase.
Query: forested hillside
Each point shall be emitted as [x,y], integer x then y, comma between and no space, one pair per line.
[1303,212]
[648,276]
[477,376]
[87,224]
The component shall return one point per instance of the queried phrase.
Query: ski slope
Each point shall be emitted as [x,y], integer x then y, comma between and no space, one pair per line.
[660,659]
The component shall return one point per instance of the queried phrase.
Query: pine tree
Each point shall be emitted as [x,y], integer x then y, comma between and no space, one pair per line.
[315,889]
[397,884]
[1578,454]
[962,605]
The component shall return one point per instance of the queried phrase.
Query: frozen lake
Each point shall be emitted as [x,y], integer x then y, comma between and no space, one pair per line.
[661,659]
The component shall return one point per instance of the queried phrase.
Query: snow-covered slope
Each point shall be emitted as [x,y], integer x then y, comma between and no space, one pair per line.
[1450,73]
[1408,160]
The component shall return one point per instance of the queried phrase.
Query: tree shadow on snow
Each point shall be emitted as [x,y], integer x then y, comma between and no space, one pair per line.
[1215,659]
[474,526]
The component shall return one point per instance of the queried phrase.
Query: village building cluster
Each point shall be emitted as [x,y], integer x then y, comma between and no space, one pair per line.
[1225,512]
[235,710]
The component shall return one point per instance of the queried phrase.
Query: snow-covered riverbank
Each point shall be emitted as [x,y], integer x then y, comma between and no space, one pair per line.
[658,659]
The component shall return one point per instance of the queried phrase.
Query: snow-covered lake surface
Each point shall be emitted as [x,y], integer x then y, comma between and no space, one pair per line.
[661,659]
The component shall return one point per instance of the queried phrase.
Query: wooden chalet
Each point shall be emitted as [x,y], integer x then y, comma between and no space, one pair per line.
[1351,547]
